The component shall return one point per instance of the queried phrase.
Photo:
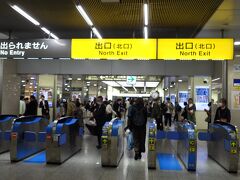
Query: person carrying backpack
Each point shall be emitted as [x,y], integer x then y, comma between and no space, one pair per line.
[137,120]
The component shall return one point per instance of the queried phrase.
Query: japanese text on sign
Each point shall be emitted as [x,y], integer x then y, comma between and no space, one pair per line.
[18,48]
[200,49]
[114,49]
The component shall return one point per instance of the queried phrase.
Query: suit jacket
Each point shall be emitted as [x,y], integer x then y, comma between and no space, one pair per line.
[44,107]
[100,114]
[32,108]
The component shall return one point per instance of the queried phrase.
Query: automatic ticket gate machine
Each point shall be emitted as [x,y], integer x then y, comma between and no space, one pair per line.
[27,137]
[186,146]
[5,131]
[64,138]
[223,145]
[112,143]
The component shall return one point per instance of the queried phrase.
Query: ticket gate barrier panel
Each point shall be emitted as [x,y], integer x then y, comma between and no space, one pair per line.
[152,140]
[64,139]
[223,145]
[186,145]
[112,143]
[27,137]
[5,131]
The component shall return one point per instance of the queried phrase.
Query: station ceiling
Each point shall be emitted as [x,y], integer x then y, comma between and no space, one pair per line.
[167,18]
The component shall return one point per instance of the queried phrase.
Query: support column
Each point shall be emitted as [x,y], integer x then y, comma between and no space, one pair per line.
[9,87]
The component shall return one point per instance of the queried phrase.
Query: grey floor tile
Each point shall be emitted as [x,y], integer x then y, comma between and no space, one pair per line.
[86,165]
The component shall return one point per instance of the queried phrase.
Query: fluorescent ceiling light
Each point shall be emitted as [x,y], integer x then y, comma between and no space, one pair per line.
[79,79]
[134,89]
[95,31]
[171,86]
[23,81]
[238,55]
[32,78]
[84,15]
[145,32]
[54,36]
[70,79]
[216,79]
[26,15]
[45,30]
[237,43]
[122,86]
[124,83]
[145,12]
[180,80]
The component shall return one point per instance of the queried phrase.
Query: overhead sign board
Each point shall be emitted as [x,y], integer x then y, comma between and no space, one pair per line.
[35,48]
[131,80]
[198,49]
[124,49]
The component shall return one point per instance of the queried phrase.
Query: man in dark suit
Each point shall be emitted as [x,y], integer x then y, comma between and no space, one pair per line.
[31,109]
[45,107]
[99,115]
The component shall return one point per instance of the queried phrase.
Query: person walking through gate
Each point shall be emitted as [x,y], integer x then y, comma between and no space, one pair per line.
[137,120]
[168,113]
[99,115]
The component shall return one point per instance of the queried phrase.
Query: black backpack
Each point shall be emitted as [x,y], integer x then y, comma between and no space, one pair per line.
[139,117]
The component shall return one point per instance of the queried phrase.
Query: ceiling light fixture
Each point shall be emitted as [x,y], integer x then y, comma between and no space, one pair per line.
[145,32]
[134,89]
[84,15]
[34,21]
[45,30]
[26,15]
[237,43]
[88,20]
[180,80]
[54,36]
[145,12]
[95,31]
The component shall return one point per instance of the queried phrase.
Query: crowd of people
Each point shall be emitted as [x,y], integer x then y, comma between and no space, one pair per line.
[135,111]
[29,106]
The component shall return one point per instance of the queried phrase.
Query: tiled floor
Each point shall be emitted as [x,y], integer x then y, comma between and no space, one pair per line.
[86,165]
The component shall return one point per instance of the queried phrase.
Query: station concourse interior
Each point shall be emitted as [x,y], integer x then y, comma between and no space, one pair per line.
[119,49]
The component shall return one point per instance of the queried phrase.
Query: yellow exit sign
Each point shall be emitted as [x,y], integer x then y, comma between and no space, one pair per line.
[125,49]
[198,49]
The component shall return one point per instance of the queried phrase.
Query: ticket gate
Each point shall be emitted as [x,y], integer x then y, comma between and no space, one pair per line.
[112,143]
[186,145]
[64,138]
[5,129]
[27,137]
[223,145]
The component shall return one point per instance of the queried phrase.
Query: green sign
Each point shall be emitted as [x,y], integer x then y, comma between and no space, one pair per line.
[131,80]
